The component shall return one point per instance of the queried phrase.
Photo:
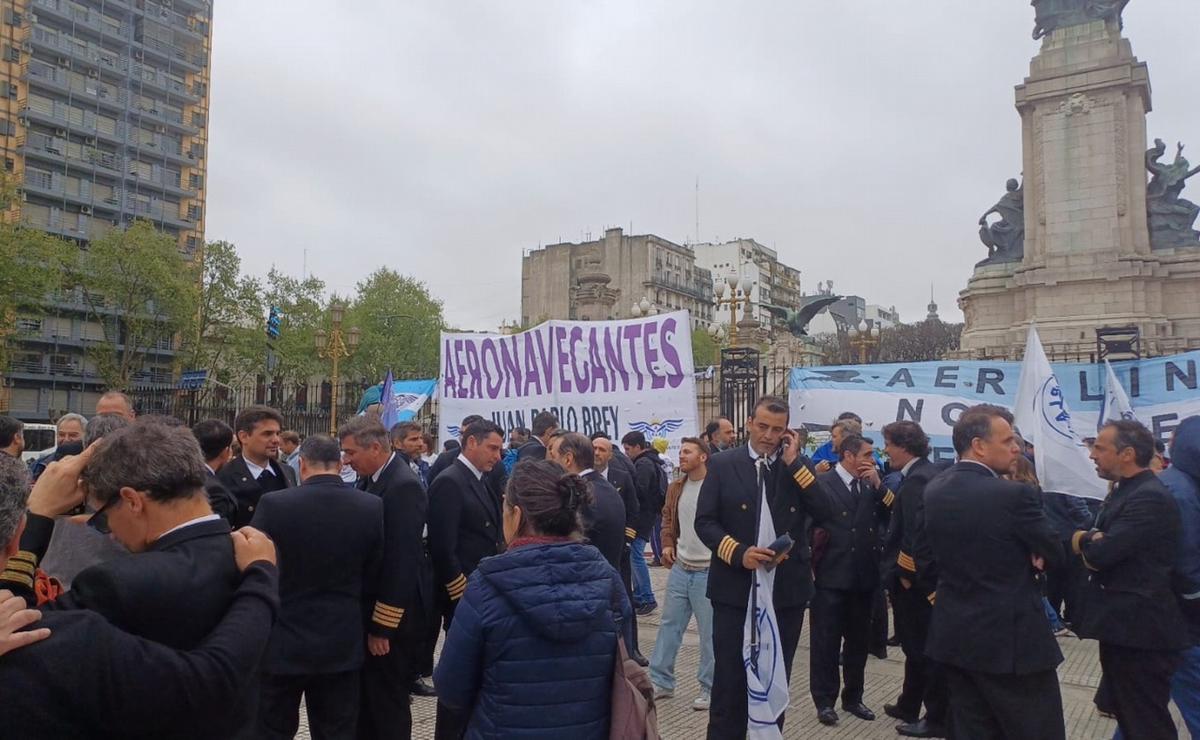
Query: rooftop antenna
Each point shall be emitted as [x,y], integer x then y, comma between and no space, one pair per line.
[304,267]
[697,209]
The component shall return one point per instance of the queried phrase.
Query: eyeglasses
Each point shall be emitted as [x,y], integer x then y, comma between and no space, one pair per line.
[99,520]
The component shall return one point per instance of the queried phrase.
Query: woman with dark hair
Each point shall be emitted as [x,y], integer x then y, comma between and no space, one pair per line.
[1024,472]
[530,651]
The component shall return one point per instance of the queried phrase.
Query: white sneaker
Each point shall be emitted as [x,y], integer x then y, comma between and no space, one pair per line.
[661,693]
[702,702]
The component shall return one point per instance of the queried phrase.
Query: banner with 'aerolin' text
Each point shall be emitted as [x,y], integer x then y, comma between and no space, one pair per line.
[1162,390]
[596,376]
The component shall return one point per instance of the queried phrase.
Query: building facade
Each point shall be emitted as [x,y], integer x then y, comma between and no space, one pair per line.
[603,279]
[104,120]
[771,281]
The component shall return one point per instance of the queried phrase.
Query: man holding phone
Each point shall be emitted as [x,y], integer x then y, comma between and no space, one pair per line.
[727,523]
[847,574]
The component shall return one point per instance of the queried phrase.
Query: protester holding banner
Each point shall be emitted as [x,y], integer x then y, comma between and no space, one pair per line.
[733,507]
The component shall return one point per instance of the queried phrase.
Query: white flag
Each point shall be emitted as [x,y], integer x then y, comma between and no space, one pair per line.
[1116,404]
[766,679]
[1044,420]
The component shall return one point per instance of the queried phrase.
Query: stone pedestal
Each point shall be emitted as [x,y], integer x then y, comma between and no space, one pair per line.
[1087,260]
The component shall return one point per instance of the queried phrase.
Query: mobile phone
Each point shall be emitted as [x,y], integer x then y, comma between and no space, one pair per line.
[781,547]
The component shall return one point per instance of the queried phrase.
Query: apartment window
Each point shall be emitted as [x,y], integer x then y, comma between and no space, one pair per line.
[198,120]
[7,127]
[11,53]
[29,326]
[195,181]
[12,17]
[9,89]
[193,213]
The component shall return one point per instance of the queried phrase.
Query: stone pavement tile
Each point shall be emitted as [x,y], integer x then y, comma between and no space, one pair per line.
[1079,675]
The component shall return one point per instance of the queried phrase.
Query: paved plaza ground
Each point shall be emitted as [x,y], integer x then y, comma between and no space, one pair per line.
[1079,674]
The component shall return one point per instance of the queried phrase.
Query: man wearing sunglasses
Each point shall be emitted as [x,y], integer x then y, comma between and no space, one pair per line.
[145,489]
[81,676]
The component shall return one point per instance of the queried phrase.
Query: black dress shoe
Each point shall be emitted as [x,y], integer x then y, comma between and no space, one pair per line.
[640,659]
[859,710]
[895,712]
[422,687]
[827,716]
[923,728]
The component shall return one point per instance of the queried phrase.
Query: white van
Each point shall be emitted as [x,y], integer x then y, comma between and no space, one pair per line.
[39,440]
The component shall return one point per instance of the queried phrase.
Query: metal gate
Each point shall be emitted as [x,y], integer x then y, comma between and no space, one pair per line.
[739,385]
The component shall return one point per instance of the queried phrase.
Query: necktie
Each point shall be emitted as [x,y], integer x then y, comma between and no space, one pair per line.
[266,476]
[855,488]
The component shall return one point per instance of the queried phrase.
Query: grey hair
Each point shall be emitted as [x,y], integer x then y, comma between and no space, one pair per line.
[14,495]
[848,426]
[321,450]
[83,422]
[102,426]
[160,459]
[365,431]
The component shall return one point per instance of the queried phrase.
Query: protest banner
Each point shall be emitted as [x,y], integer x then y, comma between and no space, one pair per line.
[1162,390]
[606,376]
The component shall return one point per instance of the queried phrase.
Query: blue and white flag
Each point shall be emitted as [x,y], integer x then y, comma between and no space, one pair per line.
[1044,419]
[766,680]
[405,399]
[1116,405]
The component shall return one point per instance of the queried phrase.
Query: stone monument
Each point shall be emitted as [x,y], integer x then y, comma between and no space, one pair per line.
[1095,246]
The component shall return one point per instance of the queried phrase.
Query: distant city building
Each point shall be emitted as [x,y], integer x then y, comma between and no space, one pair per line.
[932,308]
[105,122]
[771,281]
[603,279]
[850,311]
[884,318]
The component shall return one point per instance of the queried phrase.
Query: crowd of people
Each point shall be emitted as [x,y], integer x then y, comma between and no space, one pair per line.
[166,581]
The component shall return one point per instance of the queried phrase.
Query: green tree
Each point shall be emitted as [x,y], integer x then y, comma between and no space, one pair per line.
[229,337]
[32,265]
[141,291]
[705,350]
[301,305]
[401,324]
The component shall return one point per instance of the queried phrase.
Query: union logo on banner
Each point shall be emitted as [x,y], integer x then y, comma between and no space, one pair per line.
[656,428]
[1054,410]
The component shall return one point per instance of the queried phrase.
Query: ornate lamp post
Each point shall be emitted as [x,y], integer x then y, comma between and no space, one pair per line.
[717,332]
[739,295]
[864,339]
[643,308]
[334,347]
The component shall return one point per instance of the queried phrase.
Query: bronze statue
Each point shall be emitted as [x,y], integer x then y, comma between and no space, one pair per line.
[1050,15]
[1171,217]
[1005,239]
[797,321]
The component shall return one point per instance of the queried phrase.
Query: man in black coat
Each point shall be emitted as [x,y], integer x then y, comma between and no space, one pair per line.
[465,526]
[495,478]
[403,593]
[257,470]
[650,481]
[989,538]
[612,465]
[544,425]
[726,523]
[1129,604]
[330,535]
[80,676]
[846,572]
[910,576]
[216,444]
[603,518]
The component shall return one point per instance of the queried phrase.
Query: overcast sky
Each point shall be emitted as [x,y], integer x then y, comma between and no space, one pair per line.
[860,138]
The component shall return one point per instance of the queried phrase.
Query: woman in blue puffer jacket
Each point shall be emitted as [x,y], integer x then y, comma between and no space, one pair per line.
[530,651]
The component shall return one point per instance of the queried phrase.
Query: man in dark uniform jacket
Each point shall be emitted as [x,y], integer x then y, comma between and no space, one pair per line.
[330,535]
[543,426]
[87,678]
[604,518]
[145,483]
[846,575]
[216,444]
[911,576]
[989,538]
[465,526]
[495,478]
[1129,604]
[612,465]
[257,470]
[725,522]
[402,596]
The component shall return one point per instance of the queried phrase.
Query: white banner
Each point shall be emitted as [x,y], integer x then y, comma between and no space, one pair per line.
[609,376]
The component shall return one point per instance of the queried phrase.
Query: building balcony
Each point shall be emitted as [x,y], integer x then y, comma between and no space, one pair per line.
[195,61]
[700,289]
[155,118]
[110,97]
[105,61]
[176,21]
[81,19]
[148,77]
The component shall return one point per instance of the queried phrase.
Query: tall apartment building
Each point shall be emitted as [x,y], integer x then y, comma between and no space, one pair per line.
[103,120]
[771,281]
[602,279]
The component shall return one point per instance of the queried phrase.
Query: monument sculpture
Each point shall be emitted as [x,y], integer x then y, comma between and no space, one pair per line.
[1005,239]
[1051,15]
[1089,238]
[797,321]
[1171,217]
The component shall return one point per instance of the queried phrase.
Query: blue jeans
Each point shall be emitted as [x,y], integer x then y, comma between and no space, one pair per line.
[642,592]
[656,539]
[1056,622]
[684,597]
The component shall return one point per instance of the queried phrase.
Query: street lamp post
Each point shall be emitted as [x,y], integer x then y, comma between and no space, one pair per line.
[334,347]
[643,308]
[739,295]
[864,339]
